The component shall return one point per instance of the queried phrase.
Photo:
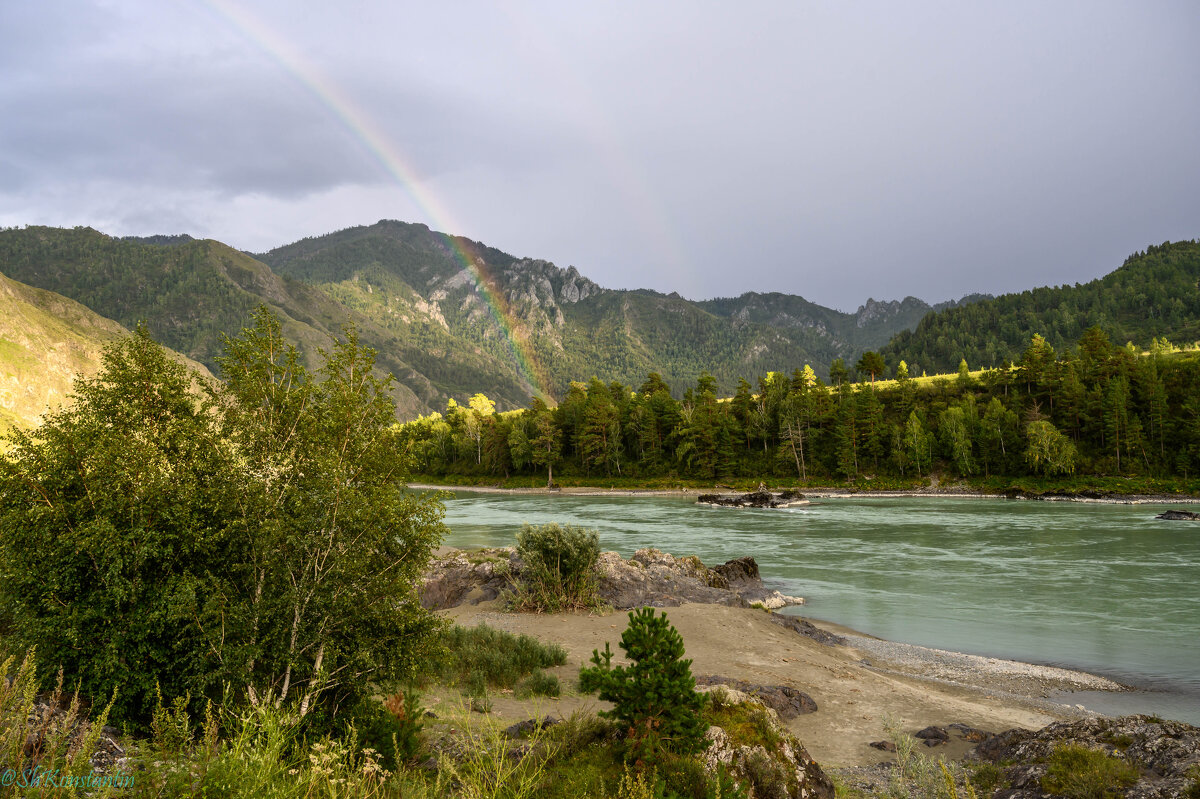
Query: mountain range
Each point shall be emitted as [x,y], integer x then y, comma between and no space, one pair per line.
[450,317]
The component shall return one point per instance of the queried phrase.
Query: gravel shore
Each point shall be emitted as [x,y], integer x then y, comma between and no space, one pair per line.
[1011,677]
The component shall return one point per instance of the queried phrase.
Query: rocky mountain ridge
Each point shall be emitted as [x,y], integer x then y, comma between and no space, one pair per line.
[568,325]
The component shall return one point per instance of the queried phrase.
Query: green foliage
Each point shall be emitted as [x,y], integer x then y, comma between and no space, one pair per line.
[1114,414]
[987,778]
[191,295]
[871,363]
[481,656]
[258,537]
[392,729]
[116,530]
[654,697]
[1076,772]
[559,569]
[538,684]
[1049,451]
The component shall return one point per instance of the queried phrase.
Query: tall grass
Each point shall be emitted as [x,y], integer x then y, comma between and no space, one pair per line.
[46,745]
[483,657]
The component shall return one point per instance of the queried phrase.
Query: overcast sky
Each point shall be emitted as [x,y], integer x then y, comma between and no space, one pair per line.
[836,150]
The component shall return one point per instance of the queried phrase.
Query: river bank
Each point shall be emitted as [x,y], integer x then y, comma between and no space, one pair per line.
[860,689]
[863,688]
[1099,587]
[948,491]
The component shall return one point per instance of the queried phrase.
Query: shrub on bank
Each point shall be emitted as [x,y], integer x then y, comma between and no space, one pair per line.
[559,568]
[1077,772]
[256,537]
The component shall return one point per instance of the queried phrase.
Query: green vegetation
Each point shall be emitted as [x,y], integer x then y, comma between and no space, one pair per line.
[1077,772]
[482,657]
[1098,414]
[655,696]
[559,570]
[257,540]
[407,291]
[1153,295]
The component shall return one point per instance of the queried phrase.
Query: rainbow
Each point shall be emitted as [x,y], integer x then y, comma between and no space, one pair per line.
[361,127]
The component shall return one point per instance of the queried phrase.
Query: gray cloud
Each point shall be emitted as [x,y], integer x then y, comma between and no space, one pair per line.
[831,150]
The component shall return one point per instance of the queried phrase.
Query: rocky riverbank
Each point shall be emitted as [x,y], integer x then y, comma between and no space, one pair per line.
[947,490]
[858,685]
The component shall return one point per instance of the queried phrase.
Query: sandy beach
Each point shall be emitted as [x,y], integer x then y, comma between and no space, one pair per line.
[858,688]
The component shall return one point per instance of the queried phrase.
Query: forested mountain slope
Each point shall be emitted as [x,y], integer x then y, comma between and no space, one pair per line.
[191,293]
[449,317]
[416,282]
[839,334]
[1155,293]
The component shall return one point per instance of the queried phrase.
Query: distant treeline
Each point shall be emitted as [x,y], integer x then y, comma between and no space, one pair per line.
[1097,409]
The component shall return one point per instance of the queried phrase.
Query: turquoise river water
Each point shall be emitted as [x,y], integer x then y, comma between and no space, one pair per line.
[1103,588]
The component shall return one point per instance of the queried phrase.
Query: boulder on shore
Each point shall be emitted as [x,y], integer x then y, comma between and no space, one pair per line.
[1166,754]
[785,700]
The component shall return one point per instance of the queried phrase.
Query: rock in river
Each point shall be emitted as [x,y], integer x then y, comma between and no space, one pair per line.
[1179,515]
[755,499]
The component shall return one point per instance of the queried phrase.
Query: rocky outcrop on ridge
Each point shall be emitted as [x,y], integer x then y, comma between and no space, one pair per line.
[649,578]
[1166,755]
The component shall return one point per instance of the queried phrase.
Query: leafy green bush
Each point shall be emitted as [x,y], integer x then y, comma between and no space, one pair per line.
[480,657]
[1077,772]
[258,537]
[559,568]
[655,697]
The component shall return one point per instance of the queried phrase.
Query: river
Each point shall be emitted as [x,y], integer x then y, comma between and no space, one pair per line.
[1098,587]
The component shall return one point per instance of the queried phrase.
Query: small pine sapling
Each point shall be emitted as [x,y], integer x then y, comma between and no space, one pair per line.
[655,696]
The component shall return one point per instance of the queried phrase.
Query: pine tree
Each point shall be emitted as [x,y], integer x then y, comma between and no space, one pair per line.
[655,697]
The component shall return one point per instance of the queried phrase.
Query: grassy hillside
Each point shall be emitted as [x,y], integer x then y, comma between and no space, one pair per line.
[1155,293]
[46,342]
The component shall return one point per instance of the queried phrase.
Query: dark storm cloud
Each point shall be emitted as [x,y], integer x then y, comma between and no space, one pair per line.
[835,150]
